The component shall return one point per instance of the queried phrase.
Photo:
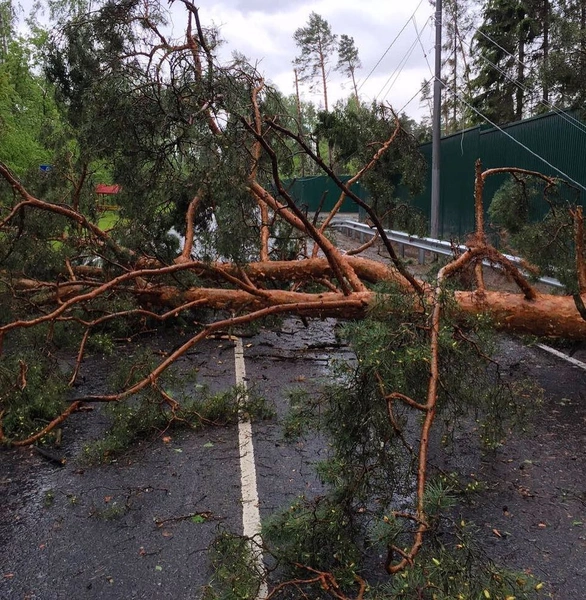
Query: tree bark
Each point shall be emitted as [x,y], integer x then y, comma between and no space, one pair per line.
[544,316]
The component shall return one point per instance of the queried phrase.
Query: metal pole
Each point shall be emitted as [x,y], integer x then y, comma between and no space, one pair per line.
[436,124]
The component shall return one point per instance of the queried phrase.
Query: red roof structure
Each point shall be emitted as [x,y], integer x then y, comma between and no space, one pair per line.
[109,190]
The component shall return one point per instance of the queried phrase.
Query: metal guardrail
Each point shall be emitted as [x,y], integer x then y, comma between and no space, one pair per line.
[423,244]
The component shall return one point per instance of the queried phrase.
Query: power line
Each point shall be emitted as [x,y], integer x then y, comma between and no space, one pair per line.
[425,83]
[390,46]
[419,91]
[532,152]
[395,74]
[564,115]
[418,34]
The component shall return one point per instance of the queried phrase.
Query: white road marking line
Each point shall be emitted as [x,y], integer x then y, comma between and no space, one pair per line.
[250,499]
[570,359]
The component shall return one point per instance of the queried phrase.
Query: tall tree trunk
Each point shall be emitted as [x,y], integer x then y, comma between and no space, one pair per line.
[582,60]
[322,64]
[299,118]
[354,85]
[520,92]
[322,61]
[546,17]
[455,80]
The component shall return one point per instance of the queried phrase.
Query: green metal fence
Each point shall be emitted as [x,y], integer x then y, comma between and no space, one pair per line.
[553,144]
[320,192]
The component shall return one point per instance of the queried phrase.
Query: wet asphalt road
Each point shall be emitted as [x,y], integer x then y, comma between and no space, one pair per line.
[141,528]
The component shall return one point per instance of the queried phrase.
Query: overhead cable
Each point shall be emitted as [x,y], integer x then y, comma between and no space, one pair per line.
[563,114]
[418,34]
[532,152]
[419,91]
[390,46]
[398,69]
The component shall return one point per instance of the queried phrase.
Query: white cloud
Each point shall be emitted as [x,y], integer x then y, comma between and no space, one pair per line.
[263,30]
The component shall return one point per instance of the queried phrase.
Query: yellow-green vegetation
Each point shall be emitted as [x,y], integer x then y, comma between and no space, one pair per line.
[108,219]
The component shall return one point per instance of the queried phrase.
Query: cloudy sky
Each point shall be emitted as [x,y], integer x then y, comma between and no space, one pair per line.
[394,61]
[263,30]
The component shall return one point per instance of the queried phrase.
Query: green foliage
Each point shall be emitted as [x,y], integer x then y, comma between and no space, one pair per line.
[301,414]
[7,26]
[354,132]
[104,113]
[223,408]
[510,206]
[452,566]
[458,25]
[564,73]
[288,243]
[370,471]
[407,218]
[33,391]
[547,242]
[233,239]
[300,117]
[38,254]
[111,512]
[25,108]
[147,414]
[528,57]
[150,135]
[316,533]
[457,570]
[502,49]
[49,498]
[236,575]
[348,59]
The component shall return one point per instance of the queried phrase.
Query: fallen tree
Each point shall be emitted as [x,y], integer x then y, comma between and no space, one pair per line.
[202,148]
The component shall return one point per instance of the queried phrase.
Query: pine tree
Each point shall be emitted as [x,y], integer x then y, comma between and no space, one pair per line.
[457,30]
[565,68]
[316,43]
[348,60]
[501,48]
[201,147]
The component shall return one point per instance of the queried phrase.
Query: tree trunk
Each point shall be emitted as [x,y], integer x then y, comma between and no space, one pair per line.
[299,119]
[322,64]
[544,316]
[354,87]
[519,94]
[545,47]
[582,63]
